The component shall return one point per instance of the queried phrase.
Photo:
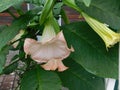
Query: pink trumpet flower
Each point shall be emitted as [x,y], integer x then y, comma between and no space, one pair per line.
[50,51]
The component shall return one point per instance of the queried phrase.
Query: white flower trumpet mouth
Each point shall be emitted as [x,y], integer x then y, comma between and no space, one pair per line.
[49,50]
[109,37]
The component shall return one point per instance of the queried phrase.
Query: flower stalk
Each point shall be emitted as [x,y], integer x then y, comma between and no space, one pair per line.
[72,4]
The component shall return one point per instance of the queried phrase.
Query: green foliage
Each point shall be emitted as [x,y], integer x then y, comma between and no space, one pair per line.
[106,11]
[88,65]
[9,69]
[39,79]
[3,54]
[36,2]
[86,2]
[5,4]
[90,52]
[76,78]
[13,29]
[2,27]
[12,66]
[57,9]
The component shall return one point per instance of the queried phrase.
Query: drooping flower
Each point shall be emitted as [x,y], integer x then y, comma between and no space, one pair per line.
[51,49]
[109,37]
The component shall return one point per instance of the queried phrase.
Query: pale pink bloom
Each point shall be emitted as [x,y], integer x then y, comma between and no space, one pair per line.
[51,52]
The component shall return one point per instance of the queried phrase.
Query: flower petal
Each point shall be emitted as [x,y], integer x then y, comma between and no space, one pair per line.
[50,65]
[54,64]
[61,66]
[28,44]
[50,50]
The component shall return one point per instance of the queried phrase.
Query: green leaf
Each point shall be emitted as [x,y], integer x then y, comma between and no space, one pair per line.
[87,2]
[10,68]
[36,2]
[2,27]
[76,78]
[3,54]
[90,51]
[57,8]
[10,32]
[39,79]
[5,4]
[106,11]
[18,7]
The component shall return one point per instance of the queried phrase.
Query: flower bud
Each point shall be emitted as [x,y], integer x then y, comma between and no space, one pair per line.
[18,36]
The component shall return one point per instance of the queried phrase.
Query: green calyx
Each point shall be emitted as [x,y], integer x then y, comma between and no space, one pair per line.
[49,4]
[51,28]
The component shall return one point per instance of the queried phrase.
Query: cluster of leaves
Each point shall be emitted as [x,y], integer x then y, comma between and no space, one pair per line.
[88,65]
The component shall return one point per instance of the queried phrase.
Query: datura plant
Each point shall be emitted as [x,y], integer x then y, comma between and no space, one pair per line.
[53,51]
